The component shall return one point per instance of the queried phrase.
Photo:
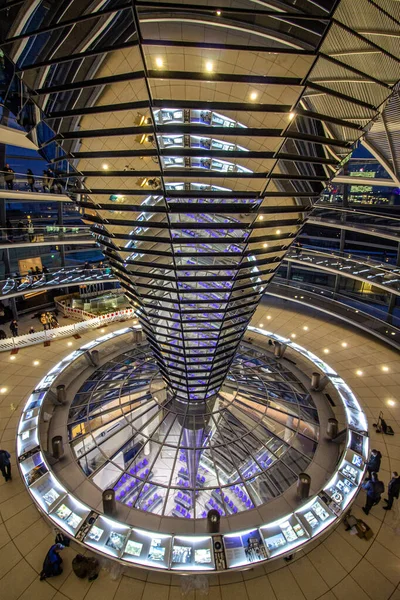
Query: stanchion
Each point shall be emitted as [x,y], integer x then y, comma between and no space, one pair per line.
[61,394]
[213,520]
[303,486]
[279,349]
[109,503]
[95,357]
[332,428]
[57,447]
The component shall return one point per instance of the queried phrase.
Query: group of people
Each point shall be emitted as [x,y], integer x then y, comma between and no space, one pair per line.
[375,488]
[47,319]
[21,230]
[49,181]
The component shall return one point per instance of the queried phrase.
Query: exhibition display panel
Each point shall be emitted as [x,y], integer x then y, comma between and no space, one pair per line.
[174,550]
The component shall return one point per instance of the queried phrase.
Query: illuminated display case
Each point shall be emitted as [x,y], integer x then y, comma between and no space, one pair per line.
[315,516]
[283,535]
[108,536]
[244,547]
[148,548]
[194,553]
[70,514]
[190,553]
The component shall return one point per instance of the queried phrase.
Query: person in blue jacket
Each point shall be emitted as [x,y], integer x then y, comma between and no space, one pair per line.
[5,465]
[52,562]
[374,489]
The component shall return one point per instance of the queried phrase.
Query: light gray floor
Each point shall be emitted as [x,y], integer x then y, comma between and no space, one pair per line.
[339,566]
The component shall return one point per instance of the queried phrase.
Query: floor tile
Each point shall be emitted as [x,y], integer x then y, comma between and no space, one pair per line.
[372,581]
[16,580]
[348,589]
[285,586]
[310,581]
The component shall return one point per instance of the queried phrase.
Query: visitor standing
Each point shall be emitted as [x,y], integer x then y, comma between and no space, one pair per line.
[31,231]
[14,327]
[374,463]
[374,489]
[9,176]
[393,490]
[31,180]
[5,465]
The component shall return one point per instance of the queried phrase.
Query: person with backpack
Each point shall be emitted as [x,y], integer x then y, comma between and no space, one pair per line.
[374,463]
[393,491]
[374,489]
[5,465]
[52,562]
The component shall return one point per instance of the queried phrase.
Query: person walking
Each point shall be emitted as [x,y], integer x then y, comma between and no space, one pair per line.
[52,562]
[14,328]
[31,231]
[393,491]
[374,463]
[374,489]
[5,465]
[9,176]
[31,180]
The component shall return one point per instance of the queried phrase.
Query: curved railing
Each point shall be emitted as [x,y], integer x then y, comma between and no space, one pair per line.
[19,235]
[53,184]
[336,305]
[67,276]
[364,222]
[379,274]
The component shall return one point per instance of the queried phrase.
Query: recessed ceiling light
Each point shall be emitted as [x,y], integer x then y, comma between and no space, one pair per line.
[293,335]
[102,330]
[359,372]
[209,66]
[278,231]
[12,357]
[269,317]
[105,167]
[265,245]
[253,96]
[291,116]
[36,363]
[218,13]
[260,218]
[391,403]
[385,369]
[326,350]
[159,62]
[69,344]
[344,344]
[3,390]
[305,328]
[261,325]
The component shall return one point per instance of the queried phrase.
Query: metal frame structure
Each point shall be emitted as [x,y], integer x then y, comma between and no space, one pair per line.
[98,82]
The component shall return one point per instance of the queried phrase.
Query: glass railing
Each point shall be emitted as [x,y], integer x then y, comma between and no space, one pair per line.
[16,284]
[375,273]
[362,221]
[340,305]
[49,184]
[19,233]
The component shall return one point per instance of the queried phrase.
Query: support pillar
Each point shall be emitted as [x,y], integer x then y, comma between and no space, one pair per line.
[279,349]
